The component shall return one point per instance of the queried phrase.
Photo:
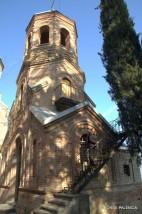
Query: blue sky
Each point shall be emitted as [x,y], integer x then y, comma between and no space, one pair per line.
[15,16]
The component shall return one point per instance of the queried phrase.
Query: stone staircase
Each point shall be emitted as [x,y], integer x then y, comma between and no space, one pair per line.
[71,201]
[65,203]
[93,169]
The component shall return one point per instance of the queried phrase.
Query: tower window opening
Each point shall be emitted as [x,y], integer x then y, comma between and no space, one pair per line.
[44,34]
[65,38]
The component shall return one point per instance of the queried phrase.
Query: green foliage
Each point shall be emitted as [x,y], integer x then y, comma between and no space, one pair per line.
[122,58]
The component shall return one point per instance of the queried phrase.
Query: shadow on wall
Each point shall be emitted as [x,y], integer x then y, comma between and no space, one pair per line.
[50,160]
[39,160]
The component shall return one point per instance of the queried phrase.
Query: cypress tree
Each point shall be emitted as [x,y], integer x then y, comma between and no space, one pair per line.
[122,59]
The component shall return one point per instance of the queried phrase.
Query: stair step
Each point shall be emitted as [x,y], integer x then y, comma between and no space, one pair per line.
[56,204]
[64,196]
[58,201]
[7,211]
[11,212]
[11,202]
[51,208]
[39,211]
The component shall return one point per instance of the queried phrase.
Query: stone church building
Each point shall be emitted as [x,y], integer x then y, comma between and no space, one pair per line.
[57,156]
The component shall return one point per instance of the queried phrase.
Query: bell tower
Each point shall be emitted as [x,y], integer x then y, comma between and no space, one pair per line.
[51,62]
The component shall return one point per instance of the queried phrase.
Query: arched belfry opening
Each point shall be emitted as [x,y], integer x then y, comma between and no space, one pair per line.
[64,38]
[44,34]
[18,166]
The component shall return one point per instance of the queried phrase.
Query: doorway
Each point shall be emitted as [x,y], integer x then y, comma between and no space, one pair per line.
[87,151]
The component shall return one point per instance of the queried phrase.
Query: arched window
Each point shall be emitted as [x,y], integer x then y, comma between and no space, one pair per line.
[66,87]
[44,34]
[21,94]
[65,38]
[66,81]
[34,158]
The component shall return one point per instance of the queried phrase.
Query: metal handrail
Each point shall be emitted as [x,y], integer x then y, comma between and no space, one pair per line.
[93,170]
